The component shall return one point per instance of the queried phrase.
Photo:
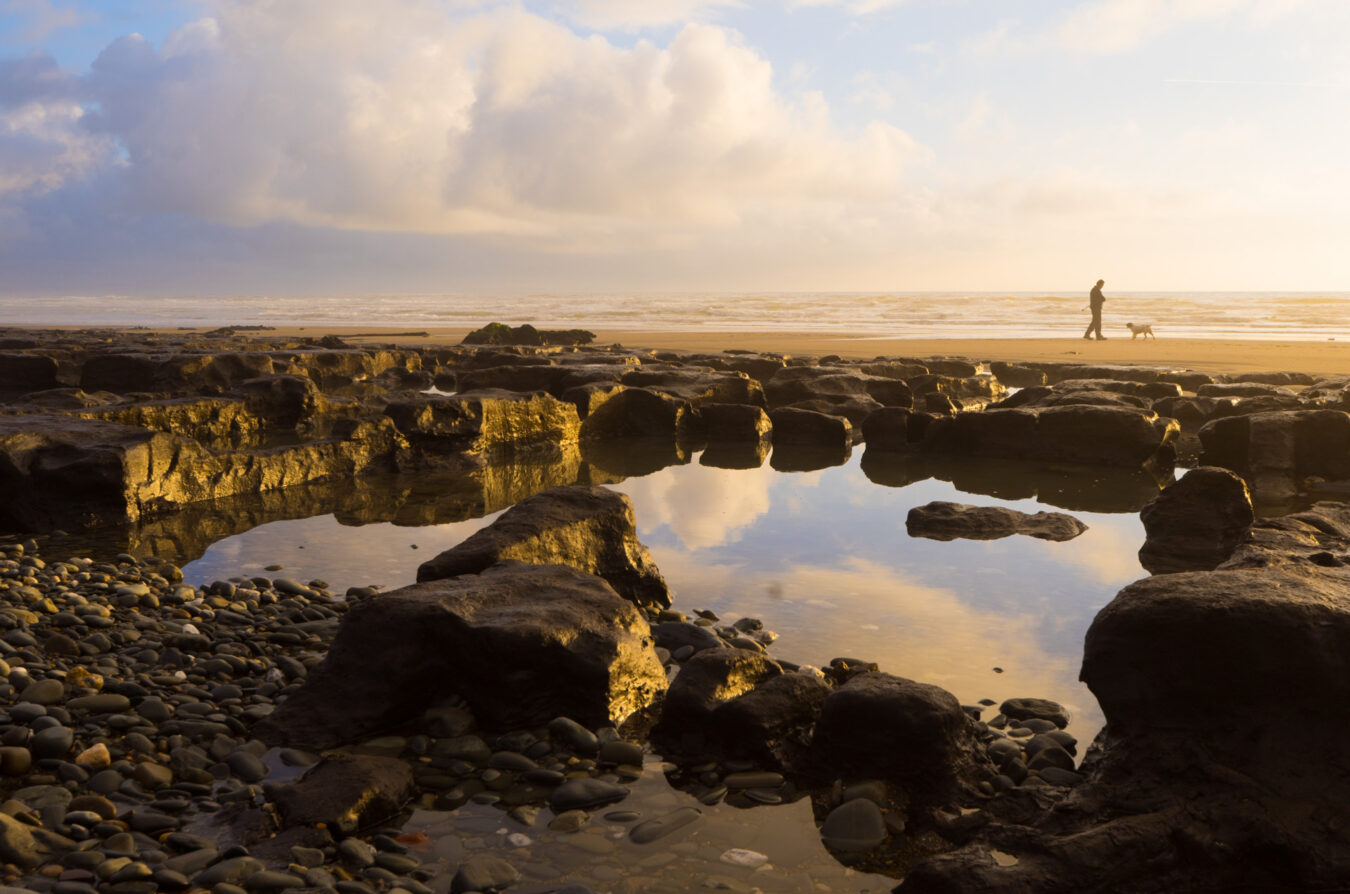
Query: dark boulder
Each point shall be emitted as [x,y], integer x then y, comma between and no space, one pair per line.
[1241,389]
[521,644]
[502,334]
[1077,434]
[952,521]
[281,401]
[1017,375]
[1195,524]
[1276,452]
[589,528]
[637,413]
[735,422]
[698,385]
[808,428]
[889,429]
[709,679]
[23,373]
[912,734]
[347,792]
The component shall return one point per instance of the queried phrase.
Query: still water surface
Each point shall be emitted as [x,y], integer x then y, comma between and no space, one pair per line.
[824,559]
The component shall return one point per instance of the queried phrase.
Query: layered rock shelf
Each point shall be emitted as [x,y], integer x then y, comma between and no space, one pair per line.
[536,665]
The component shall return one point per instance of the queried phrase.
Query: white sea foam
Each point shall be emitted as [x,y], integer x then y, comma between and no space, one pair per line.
[1241,315]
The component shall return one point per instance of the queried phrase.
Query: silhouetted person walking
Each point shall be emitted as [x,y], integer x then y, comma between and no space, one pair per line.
[1095,302]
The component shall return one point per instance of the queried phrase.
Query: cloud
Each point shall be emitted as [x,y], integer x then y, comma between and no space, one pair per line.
[34,20]
[627,15]
[856,7]
[1114,26]
[703,507]
[42,143]
[426,119]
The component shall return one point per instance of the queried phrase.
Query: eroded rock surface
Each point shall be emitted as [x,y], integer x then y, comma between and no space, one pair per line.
[952,521]
[1196,523]
[589,528]
[521,644]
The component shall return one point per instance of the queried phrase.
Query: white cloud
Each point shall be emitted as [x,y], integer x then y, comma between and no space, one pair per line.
[623,15]
[341,114]
[856,7]
[1113,26]
[42,144]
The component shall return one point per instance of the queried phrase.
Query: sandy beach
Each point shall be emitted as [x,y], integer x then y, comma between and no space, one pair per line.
[1325,358]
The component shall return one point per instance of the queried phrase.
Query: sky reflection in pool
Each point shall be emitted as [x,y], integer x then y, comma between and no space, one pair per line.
[823,558]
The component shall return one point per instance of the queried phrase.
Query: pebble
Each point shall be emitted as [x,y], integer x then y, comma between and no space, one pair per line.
[856,825]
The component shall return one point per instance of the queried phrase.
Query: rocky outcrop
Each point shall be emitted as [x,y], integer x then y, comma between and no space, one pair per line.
[589,528]
[912,734]
[1080,434]
[637,413]
[25,373]
[699,386]
[953,521]
[502,334]
[1277,452]
[217,373]
[735,422]
[710,679]
[484,422]
[1195,524]
[834,385]
[792,426]
[62,471]
[521,644]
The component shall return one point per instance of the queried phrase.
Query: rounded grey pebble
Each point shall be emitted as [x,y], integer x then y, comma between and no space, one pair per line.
[484,873]
[585,794]
[856,825]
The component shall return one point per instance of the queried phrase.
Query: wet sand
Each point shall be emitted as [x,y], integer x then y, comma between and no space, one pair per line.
[1323,358]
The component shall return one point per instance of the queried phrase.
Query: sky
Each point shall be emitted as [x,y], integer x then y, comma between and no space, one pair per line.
[246,147]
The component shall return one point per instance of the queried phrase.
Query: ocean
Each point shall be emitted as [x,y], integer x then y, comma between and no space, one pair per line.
[1279,316]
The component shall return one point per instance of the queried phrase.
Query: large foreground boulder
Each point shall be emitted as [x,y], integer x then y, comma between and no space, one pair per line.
[589,528]
[521,644]
[1216,770]
[940,520]
[1195,524]
[1223,650]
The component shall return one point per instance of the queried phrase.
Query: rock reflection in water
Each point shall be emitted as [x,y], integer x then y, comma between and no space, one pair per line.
[821,556]
[603,856]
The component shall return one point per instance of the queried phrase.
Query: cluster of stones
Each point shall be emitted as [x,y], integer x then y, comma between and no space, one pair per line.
[147,721]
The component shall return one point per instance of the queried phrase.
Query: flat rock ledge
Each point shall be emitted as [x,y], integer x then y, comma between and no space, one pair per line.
[955,521]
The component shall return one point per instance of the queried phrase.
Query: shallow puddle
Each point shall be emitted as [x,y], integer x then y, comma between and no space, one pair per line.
[775,849]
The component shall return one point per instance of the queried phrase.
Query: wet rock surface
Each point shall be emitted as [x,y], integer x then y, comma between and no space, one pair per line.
[952,521]
[1196,523]
[590,528]
[138,710]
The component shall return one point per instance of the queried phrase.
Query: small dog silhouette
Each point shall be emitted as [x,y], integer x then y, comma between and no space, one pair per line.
[1138,329]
